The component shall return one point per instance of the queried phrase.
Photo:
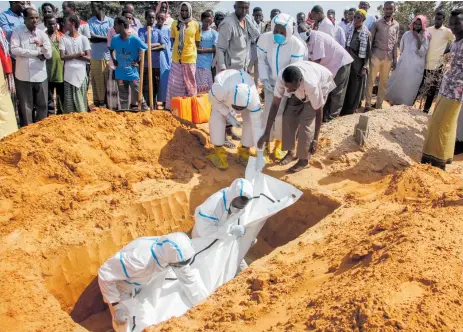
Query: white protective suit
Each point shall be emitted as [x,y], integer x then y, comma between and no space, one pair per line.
[212,219]
[273,57]
[123,275]
[235,87]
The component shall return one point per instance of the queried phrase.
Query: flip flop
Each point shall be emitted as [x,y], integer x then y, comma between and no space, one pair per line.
[289,158]
[229,144]
[297,168]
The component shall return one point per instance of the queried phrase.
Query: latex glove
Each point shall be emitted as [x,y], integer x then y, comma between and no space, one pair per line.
[237,230]
[121,314]
[260,162]
[267,85]
[233,121]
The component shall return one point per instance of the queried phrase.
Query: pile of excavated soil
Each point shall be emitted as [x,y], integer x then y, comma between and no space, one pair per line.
[70,197]
[389,259]
[395,140]
[383,248]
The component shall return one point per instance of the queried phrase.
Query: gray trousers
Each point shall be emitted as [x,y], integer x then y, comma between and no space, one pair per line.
[33,101]
[297,119]
[123,87]
[336,97]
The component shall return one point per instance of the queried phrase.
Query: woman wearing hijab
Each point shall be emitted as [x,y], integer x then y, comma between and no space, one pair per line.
[359,47]
[163,7]
[186,34]
[405,81]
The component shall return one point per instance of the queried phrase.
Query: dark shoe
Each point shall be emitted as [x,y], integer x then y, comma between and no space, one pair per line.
[426,110]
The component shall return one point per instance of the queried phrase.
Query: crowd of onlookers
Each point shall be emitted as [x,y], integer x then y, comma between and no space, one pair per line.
[50,60]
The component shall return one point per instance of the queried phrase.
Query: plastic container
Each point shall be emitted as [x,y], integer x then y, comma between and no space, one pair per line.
[200,108]
[181,107]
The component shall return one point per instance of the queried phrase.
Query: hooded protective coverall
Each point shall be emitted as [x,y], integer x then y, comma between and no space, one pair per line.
[212,219]
[121,276]
[234,87]
[274,57]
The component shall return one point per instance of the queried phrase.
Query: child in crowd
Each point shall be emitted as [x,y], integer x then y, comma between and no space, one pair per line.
[206,51]
[75,51]
[127,47]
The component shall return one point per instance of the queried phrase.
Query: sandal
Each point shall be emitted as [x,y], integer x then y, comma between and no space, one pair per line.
[229,144]
[290,157]
[299,166]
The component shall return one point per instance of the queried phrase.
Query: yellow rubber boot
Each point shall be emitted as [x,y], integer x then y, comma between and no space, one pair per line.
[219,158]
[278,153]
[243,155]
[267,155]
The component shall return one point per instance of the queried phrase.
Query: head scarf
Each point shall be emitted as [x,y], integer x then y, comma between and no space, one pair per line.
[424,22]
[362,12]
[308,20]
[181,26]
[158,8]
[285,20]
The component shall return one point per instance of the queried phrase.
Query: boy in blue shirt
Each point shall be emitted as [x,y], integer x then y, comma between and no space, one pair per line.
[127,49]
[206,51]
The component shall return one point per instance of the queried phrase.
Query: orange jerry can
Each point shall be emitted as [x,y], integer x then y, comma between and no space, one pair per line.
[200,108]
[181,107]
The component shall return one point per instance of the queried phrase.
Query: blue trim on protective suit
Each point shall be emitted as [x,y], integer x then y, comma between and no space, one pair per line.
[242,78]
[297,56]
[154,255]
[224,200]
[257,110]
[208,217]
[260,48]
[236,92]
[123,265]
[242,185]
[276,58]
[249,96]
[175,246]
[132,283]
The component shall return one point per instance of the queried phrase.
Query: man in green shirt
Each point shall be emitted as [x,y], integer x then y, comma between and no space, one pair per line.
[54,66]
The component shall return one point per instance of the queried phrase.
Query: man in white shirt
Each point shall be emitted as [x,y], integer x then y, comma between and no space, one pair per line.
[307,85]
[323,23]
[441,40]
[325,51]
[31,47]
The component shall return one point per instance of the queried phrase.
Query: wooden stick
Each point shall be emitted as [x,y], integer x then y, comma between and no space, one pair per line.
[142,72]
[150,71]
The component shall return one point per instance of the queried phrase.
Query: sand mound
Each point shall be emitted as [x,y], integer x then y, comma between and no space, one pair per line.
[69,199]
[374,264]
[382,250]
[395,141]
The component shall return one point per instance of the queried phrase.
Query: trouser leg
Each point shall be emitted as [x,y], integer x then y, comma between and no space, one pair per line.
[291,122]
[217,124]
[247,135]
[373,72]
[304,135]
[59,87]
[385,69]
[135,87]
[156,82]
[123,87]
[336,97]
[40,94]
[51,102]
[25,102]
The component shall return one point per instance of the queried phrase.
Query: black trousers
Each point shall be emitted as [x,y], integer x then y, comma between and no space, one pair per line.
[33,98]
[433,80]
[59,87]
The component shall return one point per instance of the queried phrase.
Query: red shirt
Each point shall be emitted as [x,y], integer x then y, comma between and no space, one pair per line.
[6,59]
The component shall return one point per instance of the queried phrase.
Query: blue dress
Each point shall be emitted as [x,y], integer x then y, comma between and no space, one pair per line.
[161,59]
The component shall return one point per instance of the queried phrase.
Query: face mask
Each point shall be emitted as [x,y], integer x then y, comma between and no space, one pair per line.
[304,36]
[279,39]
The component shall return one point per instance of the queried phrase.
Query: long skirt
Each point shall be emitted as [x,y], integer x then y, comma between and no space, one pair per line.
[99,77]
[439,144]
[9,79]
[355,87]
[204,79]
[75,99]
[112,92]
[182,81]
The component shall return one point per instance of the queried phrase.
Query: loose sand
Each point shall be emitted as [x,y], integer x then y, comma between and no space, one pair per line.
[379,246]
